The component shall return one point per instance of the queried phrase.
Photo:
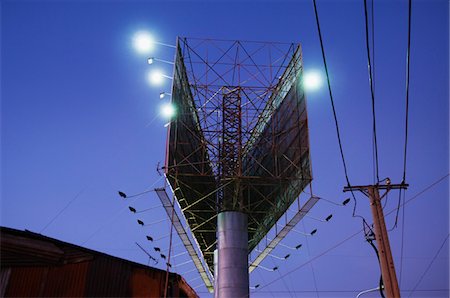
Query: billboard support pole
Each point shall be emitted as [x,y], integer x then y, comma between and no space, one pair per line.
[232,249]
[381,236]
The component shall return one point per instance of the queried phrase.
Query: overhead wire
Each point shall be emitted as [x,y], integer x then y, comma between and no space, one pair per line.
[372,21]
[354,234]
[429,266]
[372,93]
[334,111]
[408,52]
[311,264]
[62,210]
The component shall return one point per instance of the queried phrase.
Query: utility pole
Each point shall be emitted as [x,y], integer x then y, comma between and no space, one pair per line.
[381,235]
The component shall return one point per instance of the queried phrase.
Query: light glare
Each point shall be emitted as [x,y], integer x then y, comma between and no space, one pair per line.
[156,77]
[312,80]
[143,42]
[168,110]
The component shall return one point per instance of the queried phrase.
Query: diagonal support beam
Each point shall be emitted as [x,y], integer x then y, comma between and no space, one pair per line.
[283,232]
[202,268]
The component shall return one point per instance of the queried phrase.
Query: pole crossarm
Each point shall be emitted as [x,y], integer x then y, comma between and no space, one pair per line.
[381,235]
[379,186]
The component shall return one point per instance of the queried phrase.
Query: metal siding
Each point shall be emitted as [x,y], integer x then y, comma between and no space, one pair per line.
[99,275]
[25,282]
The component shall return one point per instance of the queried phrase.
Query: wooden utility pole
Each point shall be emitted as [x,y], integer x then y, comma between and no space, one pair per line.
[381,235]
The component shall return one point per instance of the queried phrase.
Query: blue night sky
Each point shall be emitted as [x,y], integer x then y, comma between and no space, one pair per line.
[79,121]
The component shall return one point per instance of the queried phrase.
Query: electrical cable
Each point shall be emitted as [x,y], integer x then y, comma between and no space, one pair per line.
[370,241]
[334,111]
[429,266]
[408,52]
[372,93]
[61,211]
[311,264]
[407,88]
[354,234]
[373,76]
[120,211]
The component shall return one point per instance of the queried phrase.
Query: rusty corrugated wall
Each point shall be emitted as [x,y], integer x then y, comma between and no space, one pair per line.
[74,271]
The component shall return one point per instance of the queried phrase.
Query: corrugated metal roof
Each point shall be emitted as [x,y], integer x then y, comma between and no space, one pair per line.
[37,266]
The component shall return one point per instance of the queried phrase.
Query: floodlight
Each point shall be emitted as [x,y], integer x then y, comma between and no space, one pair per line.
[143,42]
[168,110]
[156,77]
[346,201]
[312,80]
[132,209]
[298,246]
[313,232]
[122,194]
[163,94]
[329,217]
[140,222]
[150,60]
[149,238]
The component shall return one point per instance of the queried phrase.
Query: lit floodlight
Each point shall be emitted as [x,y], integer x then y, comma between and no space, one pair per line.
[312,80]
[168,110]
[143,42]
[156,77]
[150,60]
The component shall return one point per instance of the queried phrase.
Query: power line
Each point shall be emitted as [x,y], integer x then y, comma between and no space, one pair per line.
[429,266]
[311,264]
[356,233]
[61,211]
[407,88]
[408,51]
[373,75]
[120,211]
[374,127]
[334,111]
[331,94]
[338,291]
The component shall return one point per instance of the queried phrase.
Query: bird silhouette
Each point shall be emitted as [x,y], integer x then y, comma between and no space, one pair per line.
[140,222]
[149,238]
[156,248]
[132,209]
[163,256]
[122,194]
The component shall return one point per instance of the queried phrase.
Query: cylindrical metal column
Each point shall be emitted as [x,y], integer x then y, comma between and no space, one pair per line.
[216,272]
[232,247]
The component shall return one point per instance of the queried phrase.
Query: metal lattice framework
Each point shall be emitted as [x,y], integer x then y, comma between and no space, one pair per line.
[239,140]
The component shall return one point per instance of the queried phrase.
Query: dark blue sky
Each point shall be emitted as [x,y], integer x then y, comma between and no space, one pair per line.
[80,121]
